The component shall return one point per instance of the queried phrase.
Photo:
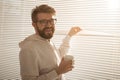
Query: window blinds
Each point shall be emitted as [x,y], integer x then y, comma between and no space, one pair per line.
[96,52]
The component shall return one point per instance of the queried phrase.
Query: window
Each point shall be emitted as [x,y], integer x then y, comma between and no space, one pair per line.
[96,49]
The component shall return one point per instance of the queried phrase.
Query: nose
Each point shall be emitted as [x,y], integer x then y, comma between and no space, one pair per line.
[48,24]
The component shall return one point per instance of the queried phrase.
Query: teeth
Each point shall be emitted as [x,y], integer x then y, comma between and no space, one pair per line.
[48,30]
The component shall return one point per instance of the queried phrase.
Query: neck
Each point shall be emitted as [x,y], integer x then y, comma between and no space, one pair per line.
[41,37]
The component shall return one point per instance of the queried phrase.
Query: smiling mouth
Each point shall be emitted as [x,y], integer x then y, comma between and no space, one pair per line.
[48,31]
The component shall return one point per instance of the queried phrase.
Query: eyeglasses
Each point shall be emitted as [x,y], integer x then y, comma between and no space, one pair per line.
[44,21]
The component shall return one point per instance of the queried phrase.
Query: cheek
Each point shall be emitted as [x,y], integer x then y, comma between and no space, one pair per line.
[40,27]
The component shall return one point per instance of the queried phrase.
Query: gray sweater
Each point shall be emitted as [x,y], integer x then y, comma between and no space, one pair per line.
[39,58]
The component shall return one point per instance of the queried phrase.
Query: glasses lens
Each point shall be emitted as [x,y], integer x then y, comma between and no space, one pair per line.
[51,21]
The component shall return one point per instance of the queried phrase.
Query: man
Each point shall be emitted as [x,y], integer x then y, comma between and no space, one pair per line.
[39,59]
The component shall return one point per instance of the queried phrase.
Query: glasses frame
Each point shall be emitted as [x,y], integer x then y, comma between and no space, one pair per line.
[44,21]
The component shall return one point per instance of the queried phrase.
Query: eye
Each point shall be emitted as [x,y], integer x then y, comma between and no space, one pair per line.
[42,21]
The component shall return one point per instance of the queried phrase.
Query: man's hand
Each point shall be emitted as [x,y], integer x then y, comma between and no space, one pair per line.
[73,31]
[64,66]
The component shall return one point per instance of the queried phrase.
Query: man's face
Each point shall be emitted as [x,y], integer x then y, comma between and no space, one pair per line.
[45,25]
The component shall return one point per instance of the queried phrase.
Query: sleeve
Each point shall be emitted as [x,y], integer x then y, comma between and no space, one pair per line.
[64,47]
[29,67]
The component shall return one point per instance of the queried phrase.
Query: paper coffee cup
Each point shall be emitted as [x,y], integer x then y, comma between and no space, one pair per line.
[68,57]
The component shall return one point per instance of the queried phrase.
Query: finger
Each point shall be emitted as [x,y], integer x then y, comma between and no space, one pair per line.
[62,58]
[72,62]
[79,29]
[69,65]
[76,29]
[70,68]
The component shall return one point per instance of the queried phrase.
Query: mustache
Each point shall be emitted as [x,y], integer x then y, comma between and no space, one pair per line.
[51,28]
[47,28]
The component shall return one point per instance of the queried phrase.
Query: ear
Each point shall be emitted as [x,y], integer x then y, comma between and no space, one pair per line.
[35,27]
[34,24]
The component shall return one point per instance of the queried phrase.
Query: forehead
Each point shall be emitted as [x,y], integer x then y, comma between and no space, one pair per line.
[44,16]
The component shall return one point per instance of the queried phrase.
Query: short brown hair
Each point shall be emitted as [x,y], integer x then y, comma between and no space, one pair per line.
[41,9]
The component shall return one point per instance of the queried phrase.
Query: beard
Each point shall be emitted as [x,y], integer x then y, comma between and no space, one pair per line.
[47,32]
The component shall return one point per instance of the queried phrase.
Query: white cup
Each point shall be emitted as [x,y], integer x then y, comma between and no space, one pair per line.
[68,57]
